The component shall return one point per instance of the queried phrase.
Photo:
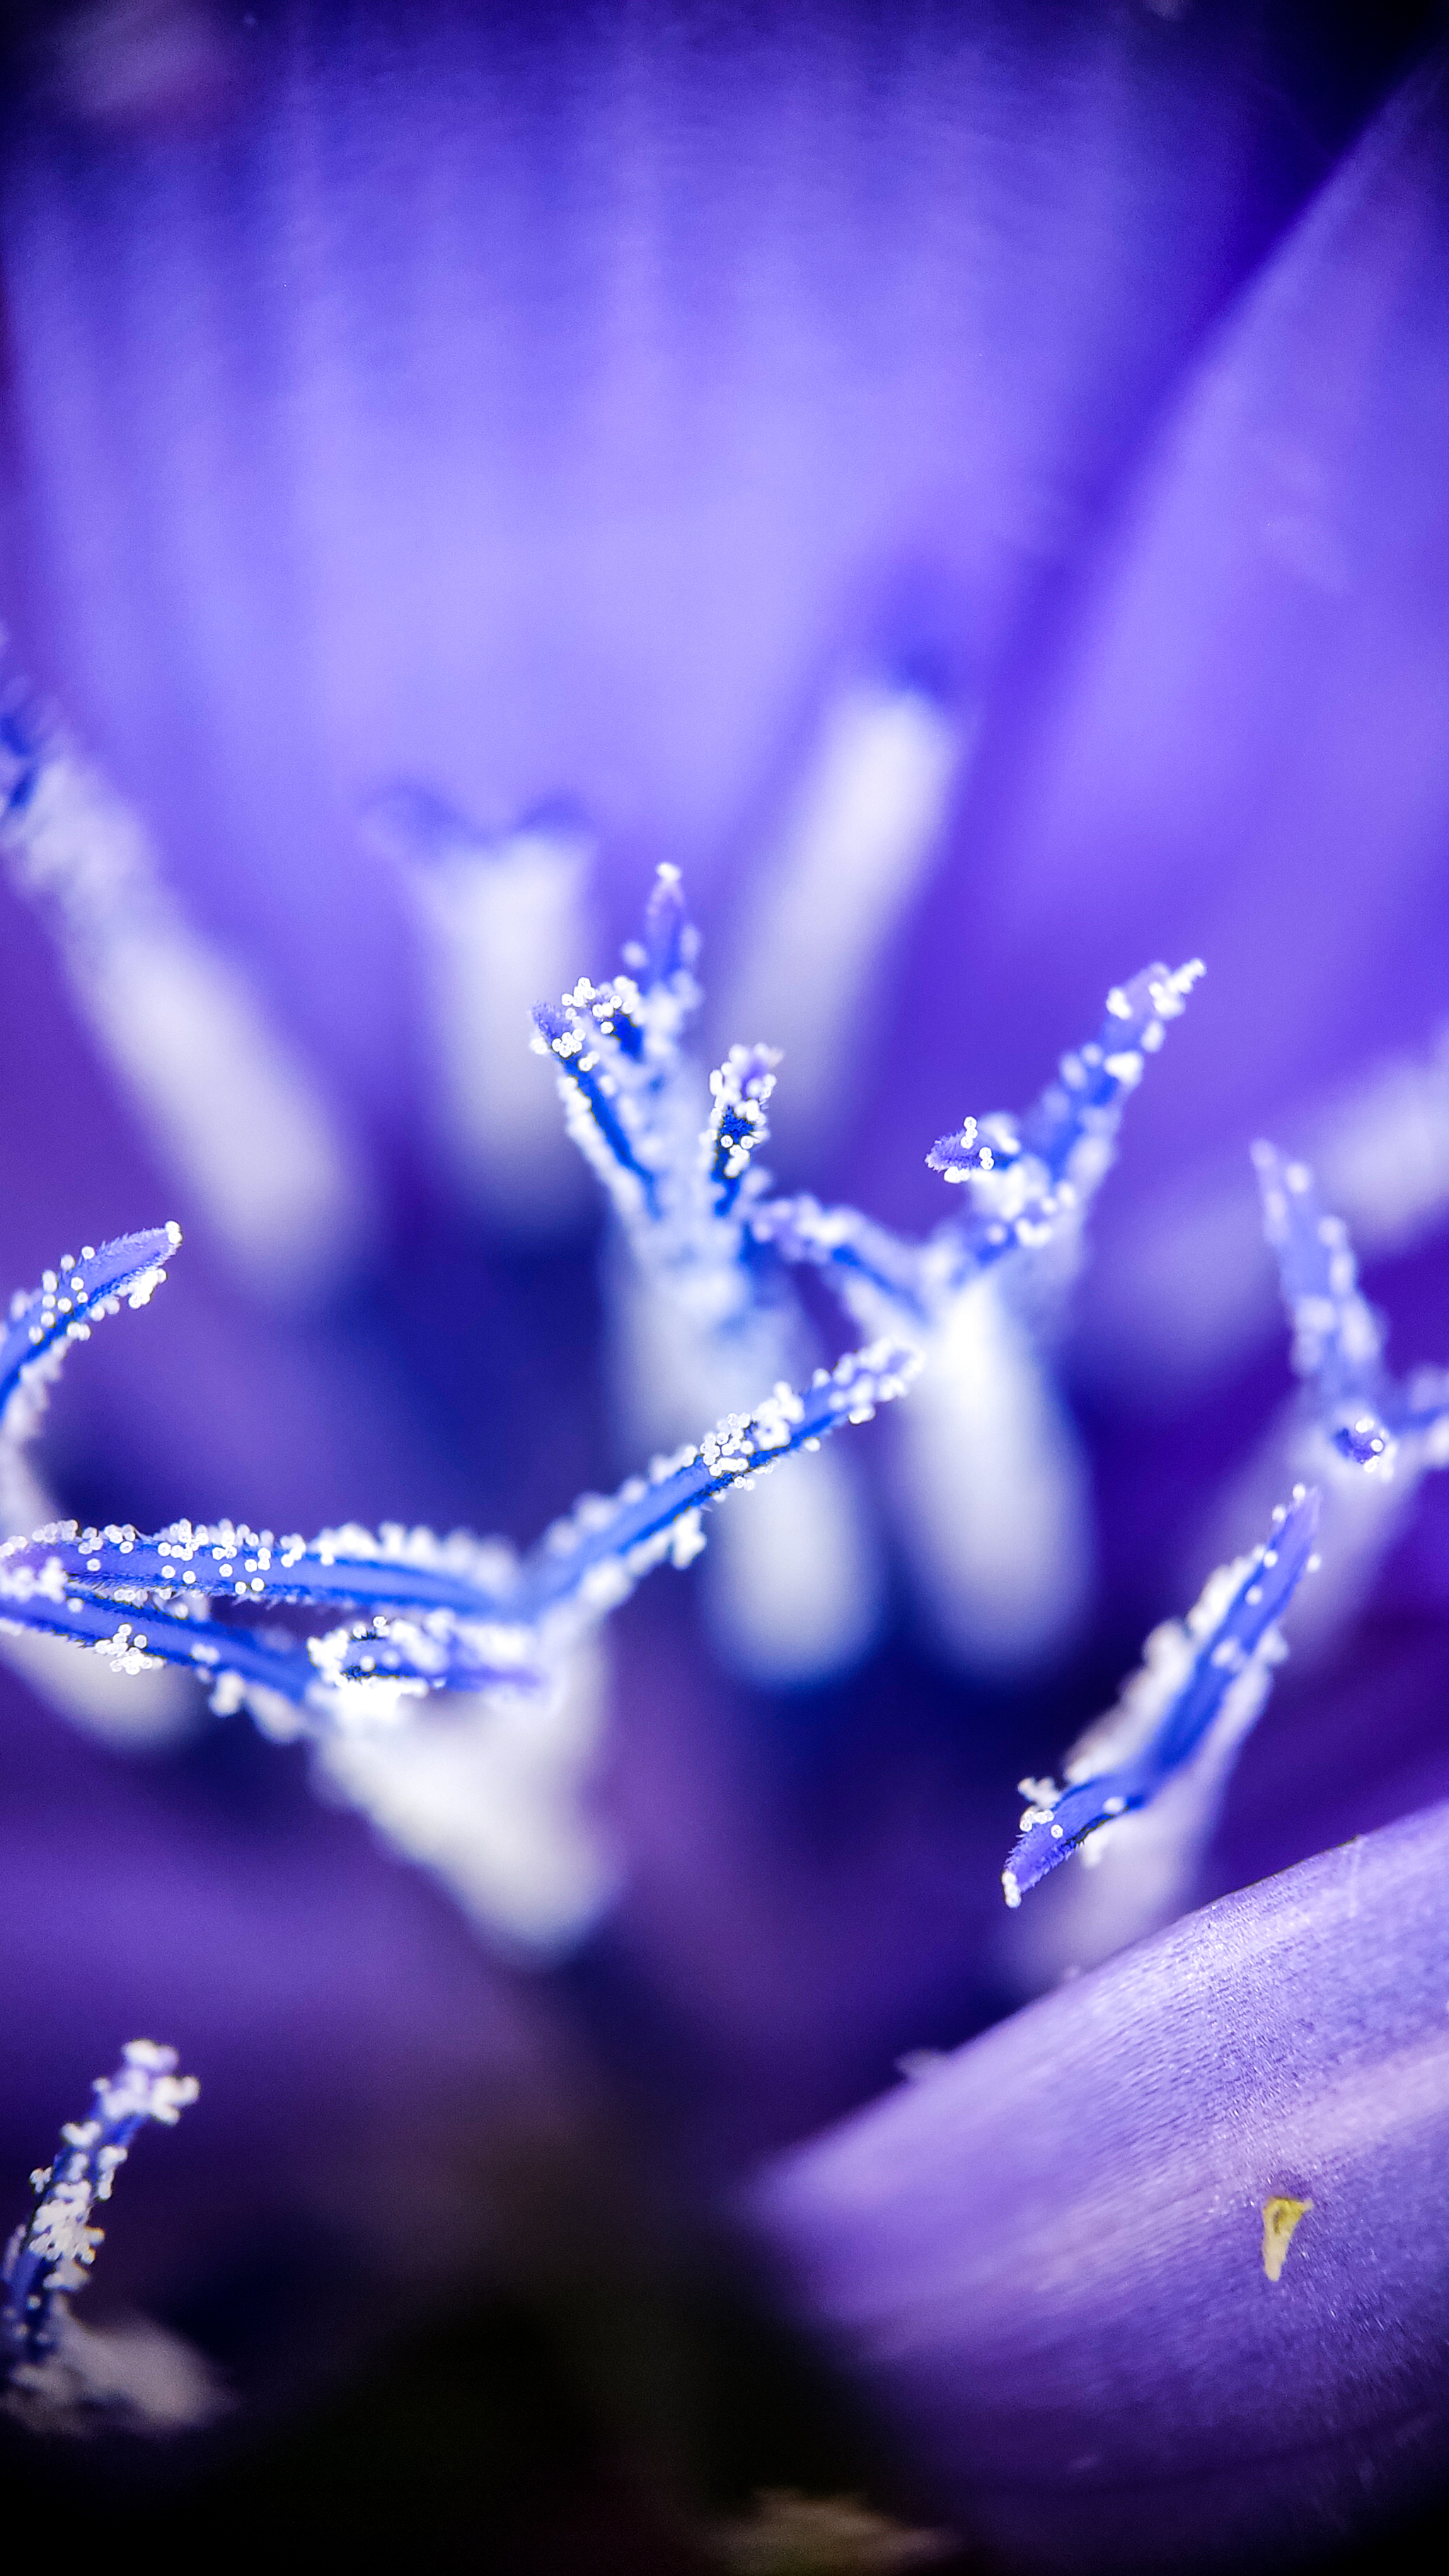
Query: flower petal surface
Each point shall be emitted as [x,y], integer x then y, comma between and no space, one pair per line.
[1047,2257]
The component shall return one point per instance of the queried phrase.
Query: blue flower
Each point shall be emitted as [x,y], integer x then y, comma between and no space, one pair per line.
[966,490]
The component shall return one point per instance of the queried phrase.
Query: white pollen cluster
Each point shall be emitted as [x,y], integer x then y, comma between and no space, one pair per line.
[58,2375]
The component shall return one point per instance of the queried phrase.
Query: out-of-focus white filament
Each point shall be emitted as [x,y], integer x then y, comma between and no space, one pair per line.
[504,918]
[491,1796]
[230,1108]
[793,1589]
[992,1493]
[129,2376]
[793,1581]
[862,828]
[1381,1151]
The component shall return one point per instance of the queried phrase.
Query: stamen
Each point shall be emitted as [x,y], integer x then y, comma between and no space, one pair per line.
[1207,1676]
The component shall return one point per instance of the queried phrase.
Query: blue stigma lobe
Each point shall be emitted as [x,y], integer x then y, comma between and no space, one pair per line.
[1234,1650]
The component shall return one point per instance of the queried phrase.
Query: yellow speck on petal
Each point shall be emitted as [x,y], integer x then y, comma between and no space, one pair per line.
[1280,2218]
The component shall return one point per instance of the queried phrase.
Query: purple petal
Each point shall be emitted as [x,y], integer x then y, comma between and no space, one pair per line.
[1046,2258]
